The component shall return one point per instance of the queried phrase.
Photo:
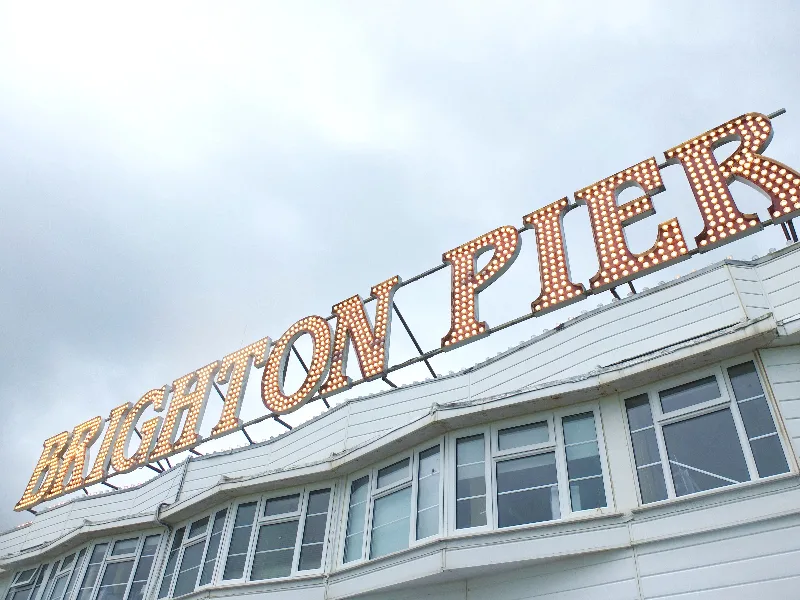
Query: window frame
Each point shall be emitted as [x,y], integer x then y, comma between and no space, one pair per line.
[727,400]
[186,542]
[374,493]
[259,520]
[109,559]
[493,455]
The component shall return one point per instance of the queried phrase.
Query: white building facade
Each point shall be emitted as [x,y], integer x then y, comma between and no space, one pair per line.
[645,450]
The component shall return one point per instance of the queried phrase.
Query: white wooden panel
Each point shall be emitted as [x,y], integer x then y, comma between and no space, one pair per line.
[604,576]
[633,330]
[762,565]
[783,372]
[446,591]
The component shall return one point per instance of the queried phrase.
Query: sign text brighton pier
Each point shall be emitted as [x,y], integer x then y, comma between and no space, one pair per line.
[62,467]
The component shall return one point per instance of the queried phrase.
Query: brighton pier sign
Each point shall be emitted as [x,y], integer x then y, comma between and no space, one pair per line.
[63,465]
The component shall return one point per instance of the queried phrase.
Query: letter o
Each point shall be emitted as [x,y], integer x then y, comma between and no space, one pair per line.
[272,380]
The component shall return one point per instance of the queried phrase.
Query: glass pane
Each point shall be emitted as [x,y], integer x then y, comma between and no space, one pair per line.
[428,493]
[355,519]
[471,512]
[393,473]
[314,530]
[427,522]
[213,547]
[689,394]
[531,471]
[704,453]
[137,590]
[391,523]
[757,417]
[769,456]
[645,447]
[115,580]
[282,505]
[124,546]
[150,545]
[274,550]
[639,413]
[198,527]
[59,586]
[240,540]
[190,566]
[528,506]
[24,576]
[744,381]
[166,579]
[469,450]
[277,536]
[583,460]
[579,428]
[39,579]
[587,493]
[19,593]
[92,571]
[429,463]
[470,480]
[75,569]
[524,435]
[143,568]
[310,557]
[651,484]
[318,502]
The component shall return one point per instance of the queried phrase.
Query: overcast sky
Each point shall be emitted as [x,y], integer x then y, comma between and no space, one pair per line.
[180,179]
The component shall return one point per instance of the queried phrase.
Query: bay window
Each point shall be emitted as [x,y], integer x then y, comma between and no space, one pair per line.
[192,555]
[528,471]
[705,432]
[279,536]
[394,505]
[119,570]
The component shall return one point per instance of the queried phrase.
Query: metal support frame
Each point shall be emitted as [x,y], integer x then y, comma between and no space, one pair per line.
[281,421]
[614,293]
[630,285]
[413,339]
[792,230]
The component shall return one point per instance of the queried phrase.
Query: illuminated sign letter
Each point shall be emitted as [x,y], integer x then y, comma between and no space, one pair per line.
[119,462]
[617,263]
[100,467]
[465,283]
[235,371]
[194,403]
[272,380]
[73,459]
[44,474]
[371,344]
[557,289]
[723,222]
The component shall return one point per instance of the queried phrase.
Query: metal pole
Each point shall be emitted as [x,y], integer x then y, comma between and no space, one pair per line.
[413,339]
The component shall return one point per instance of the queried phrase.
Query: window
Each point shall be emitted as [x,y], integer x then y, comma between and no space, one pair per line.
[279,536]
[193,555]
[470,482]
[118,570]
[394,506]
[27,583]
[540,473]
[64,575]
[703,434]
